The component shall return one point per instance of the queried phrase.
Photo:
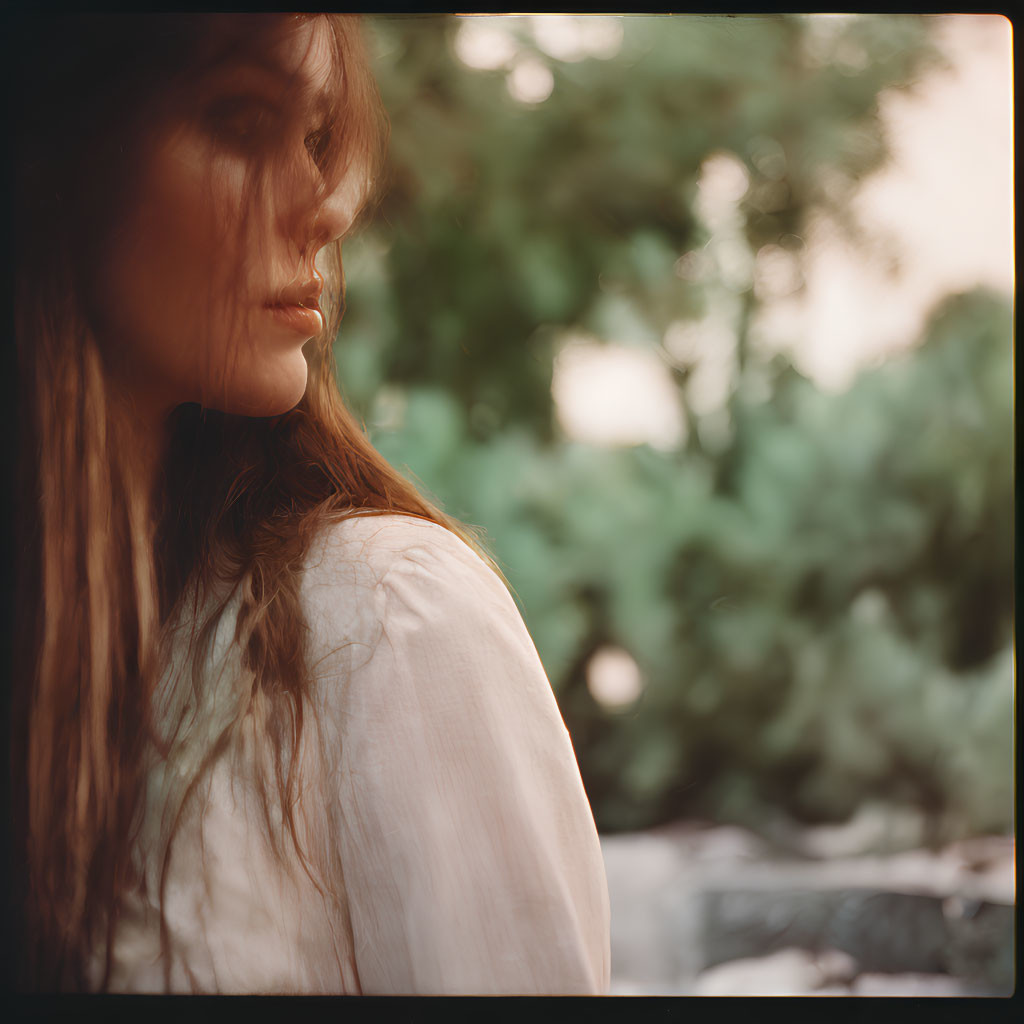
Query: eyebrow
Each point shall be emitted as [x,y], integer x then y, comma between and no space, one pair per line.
[323,101]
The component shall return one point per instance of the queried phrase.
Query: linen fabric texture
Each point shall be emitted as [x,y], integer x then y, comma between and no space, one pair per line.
[446,845]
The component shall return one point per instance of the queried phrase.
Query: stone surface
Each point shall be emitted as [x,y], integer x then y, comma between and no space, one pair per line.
[717,910]
[786,972]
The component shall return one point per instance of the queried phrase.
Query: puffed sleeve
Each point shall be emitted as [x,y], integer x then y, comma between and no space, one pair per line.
[471,860]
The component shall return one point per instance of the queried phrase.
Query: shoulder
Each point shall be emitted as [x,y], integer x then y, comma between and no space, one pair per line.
[404,616]
[367,550]
[370,577]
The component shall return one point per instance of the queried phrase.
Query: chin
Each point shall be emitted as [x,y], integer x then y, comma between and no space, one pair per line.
[269,396]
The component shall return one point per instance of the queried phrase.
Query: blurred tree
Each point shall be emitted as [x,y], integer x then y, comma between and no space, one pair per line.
[505,221]
[818,600]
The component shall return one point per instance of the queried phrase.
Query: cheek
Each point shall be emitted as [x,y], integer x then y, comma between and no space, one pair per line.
[187,227]
[166,290]
[182,293]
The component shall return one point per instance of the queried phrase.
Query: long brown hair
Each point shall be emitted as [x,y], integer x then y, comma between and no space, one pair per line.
[239,499]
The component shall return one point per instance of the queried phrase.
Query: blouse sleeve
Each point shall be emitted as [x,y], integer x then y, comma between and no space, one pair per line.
[470,856]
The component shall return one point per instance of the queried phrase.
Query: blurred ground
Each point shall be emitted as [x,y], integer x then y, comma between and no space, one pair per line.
[717,910]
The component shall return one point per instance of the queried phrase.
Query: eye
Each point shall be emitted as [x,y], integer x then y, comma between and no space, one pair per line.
[245,122]
[318,144]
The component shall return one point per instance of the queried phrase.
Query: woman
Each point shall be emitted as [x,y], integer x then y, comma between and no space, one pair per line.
[278,728]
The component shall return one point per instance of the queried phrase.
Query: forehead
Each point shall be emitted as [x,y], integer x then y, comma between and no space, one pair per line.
[302,59]
[307,52]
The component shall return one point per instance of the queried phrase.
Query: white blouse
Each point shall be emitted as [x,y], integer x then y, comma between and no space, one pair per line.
[448,845]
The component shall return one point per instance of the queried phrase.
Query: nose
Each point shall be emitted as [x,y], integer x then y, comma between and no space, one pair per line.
[332,208]
[315,212]
[335,210]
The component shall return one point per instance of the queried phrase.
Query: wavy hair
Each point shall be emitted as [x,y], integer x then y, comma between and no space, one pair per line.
[238,501]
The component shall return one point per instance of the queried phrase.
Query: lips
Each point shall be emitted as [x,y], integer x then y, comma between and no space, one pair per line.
[305,320]
[298,307]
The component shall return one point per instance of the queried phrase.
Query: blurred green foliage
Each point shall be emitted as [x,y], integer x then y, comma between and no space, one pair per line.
[819,601]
